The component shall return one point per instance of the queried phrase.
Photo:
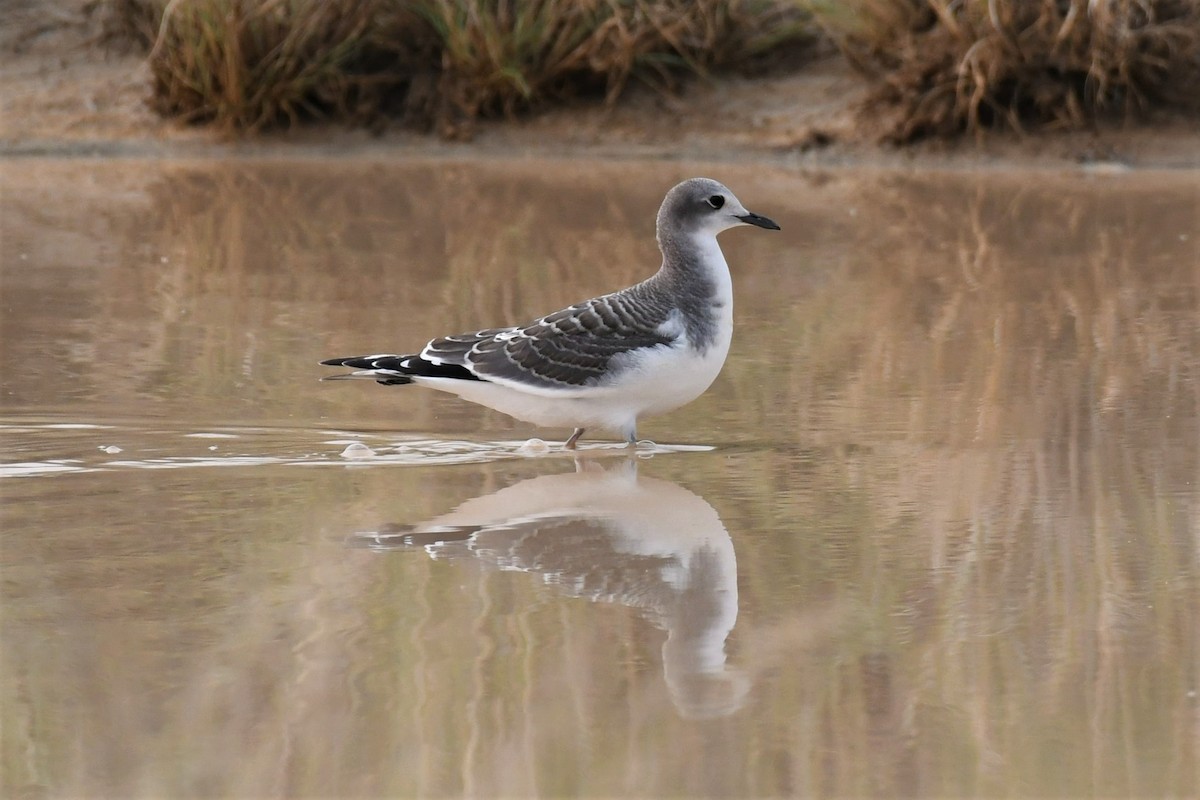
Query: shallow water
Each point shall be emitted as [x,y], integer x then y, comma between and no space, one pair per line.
[935,530]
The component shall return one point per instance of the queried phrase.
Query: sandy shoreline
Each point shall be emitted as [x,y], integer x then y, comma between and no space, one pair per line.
[63,95]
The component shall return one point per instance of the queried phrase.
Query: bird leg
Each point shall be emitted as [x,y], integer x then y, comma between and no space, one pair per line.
[570,445]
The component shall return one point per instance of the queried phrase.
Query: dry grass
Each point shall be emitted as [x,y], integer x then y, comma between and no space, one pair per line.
[500,57]
[948,66]
[248,64]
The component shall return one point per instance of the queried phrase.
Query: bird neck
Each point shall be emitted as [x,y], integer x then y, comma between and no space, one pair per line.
[696,276]
[694,264]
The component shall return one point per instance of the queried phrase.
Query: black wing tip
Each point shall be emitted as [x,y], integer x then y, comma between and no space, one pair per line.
[360,362]
[399,370]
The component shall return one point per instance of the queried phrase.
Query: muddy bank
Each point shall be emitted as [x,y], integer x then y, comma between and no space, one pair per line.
[65,94]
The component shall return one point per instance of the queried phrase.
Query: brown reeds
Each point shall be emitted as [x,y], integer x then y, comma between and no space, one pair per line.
[499,57]
[948,66]
[247,64]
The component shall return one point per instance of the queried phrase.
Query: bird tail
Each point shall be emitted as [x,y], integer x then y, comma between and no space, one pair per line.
[386,369]
[393,370]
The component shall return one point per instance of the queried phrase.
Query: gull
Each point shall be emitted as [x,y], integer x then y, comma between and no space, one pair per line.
[605,362]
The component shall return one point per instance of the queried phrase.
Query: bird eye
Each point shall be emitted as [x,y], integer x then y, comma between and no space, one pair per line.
[716,201]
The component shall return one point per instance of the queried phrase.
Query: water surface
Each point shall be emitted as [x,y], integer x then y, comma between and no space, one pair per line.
[934,531]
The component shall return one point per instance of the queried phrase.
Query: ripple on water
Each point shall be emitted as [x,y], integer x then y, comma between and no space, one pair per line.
[58,448]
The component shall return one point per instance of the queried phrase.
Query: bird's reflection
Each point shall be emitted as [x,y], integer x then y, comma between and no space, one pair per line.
[610,536]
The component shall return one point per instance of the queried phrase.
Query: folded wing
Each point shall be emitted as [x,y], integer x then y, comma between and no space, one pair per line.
[568,348]
[564,350]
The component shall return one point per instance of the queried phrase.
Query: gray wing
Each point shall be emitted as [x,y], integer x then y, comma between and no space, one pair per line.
[568,348]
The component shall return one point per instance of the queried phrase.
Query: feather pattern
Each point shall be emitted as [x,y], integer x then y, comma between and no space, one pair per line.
[572,347]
